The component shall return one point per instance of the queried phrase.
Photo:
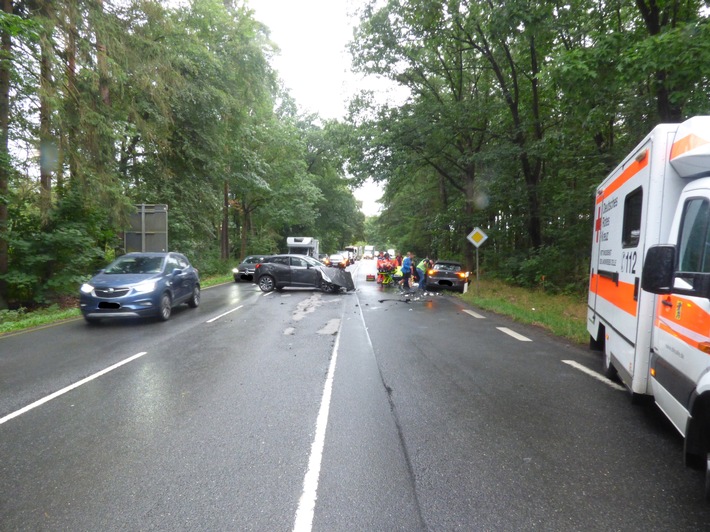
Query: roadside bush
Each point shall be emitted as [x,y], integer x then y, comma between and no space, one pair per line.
[208,262]
[49,263]
[544,268]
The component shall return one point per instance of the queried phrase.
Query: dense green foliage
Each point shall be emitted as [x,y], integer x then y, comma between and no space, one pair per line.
[511,113]
[107,104]
[514,111]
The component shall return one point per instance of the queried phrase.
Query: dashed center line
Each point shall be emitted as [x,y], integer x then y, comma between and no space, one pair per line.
[594,374]
[514,334]
[474,314]
[224,314]
[69,388]
[307,501]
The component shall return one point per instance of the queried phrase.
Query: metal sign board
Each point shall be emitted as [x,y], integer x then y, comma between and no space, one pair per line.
[477,237]
[149,229]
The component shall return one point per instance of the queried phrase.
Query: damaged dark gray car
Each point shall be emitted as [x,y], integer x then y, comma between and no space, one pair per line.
[299,271]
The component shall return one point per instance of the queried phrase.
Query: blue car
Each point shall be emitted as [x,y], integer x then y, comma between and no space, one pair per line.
[140,284]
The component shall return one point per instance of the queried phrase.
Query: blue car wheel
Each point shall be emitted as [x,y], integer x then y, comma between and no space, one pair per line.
[166,307]
[194,300]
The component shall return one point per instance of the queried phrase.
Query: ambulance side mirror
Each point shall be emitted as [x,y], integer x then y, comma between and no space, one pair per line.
[659,270]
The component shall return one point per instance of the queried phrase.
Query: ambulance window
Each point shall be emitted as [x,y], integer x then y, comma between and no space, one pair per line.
[632,219]
[694,245]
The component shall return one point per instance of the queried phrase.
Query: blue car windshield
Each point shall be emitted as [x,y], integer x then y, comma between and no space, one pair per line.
[136,265]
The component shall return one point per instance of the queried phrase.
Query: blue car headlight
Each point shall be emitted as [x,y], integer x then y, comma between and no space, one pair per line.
[235,270]
[145,286]
[86,288]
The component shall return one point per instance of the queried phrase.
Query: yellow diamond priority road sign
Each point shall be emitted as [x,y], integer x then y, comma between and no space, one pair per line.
[477,237]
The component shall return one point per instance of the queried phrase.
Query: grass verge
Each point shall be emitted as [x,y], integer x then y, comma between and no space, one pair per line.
[16,320]
[562,315]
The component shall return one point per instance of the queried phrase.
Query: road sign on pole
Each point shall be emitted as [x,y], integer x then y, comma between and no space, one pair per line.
[477,237]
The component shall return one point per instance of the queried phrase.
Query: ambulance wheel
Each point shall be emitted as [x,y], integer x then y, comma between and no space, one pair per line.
[707,477]
[609,369]
[595,345]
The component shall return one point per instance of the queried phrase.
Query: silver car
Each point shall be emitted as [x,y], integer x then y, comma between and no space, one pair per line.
[447,274]
[245,270]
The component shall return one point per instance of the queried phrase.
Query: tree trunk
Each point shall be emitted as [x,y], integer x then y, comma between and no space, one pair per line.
[101,144]
[47,147]
[5,62]
[246,230]
[71,97]
[102,62]
[657,16]
[225,224]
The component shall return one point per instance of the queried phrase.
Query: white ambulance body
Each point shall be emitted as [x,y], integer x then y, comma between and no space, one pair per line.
[654,210]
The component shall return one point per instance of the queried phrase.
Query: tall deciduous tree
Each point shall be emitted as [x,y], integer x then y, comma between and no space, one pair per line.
[47,147]
[444,125]
[149,103]
[561,92]
[6,32]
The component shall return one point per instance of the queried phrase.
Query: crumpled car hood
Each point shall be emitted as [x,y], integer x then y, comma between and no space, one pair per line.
[338,277]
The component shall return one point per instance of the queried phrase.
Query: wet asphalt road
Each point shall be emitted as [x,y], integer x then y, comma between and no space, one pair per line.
[437,419]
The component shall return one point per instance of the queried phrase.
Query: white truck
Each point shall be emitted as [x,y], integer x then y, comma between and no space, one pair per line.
[302,245]
[653,322]
[369,252]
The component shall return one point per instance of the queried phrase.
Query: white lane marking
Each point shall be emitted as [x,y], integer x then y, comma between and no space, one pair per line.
[222,315]
[69,388]
[594,374]
[475,315]
[330,328]
[307,502]
[514,334]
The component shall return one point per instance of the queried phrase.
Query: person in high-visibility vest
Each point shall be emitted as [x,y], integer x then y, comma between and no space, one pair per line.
[421,271]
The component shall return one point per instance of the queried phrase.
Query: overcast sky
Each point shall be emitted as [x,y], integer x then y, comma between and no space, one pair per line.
[314,63]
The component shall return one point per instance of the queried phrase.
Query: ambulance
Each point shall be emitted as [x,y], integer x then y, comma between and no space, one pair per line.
[649,282]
